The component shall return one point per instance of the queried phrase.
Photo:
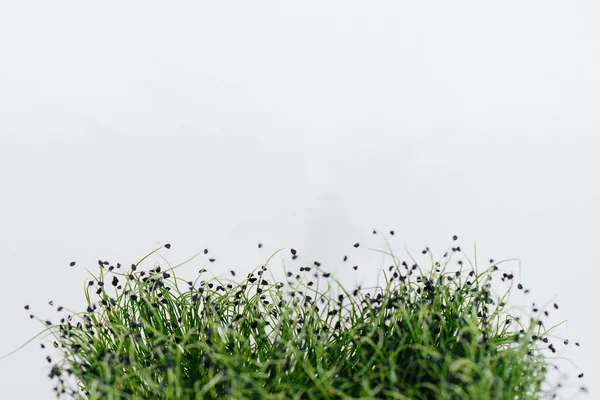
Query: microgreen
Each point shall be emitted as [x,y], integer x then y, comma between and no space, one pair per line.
[423,335]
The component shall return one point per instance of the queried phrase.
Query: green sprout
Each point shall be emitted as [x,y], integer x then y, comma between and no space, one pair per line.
[423,335]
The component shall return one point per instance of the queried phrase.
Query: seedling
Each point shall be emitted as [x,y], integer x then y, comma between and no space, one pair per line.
[423,335]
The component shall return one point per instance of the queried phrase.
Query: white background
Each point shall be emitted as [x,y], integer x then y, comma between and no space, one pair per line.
[219,125]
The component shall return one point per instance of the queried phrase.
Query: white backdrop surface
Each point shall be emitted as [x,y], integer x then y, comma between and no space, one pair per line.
[124,126]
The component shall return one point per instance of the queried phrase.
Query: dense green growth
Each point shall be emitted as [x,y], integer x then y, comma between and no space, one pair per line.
[424,335]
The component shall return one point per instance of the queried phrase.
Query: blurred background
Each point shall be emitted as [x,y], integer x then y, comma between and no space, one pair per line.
[221,125]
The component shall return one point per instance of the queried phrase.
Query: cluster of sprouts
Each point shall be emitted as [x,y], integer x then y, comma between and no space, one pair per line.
[424,335]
